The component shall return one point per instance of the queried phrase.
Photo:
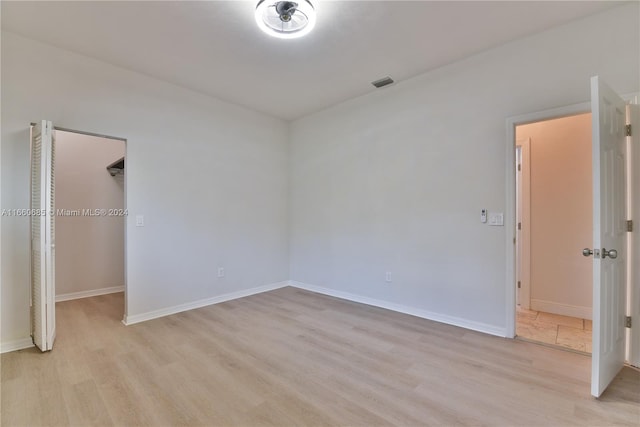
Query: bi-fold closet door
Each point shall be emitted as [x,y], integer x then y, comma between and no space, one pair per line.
[42,214]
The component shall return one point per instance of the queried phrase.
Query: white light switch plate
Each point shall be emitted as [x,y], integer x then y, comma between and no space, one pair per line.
[139,220]
[496,218]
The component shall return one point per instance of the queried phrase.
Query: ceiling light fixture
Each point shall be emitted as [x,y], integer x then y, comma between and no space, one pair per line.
[285,19]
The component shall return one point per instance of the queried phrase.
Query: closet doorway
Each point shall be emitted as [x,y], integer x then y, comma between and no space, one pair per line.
[90,218]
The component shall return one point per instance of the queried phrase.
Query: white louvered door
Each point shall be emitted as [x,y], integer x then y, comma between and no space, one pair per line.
[43,319]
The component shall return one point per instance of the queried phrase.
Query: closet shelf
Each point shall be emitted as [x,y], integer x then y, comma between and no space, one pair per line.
[116,167]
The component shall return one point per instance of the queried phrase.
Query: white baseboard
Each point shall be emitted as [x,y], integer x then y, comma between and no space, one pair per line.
[137,318]
[437,317]
[562,309]
[21,344]
[87,294]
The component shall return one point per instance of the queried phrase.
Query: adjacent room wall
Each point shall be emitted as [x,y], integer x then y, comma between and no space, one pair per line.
[209,177]
[395,180]
[561,215]
[89,248]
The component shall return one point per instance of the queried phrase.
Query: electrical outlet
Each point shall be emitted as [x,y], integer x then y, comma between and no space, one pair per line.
[220,271]
[387,277]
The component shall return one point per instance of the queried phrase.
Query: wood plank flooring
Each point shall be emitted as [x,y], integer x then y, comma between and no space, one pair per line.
[292,357]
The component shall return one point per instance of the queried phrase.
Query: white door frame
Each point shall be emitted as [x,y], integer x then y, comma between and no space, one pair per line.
[523,198]
[510,208]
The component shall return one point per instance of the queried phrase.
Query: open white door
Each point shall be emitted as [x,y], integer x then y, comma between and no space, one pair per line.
[633,145]
[609,235]
[523,223]
[43,329]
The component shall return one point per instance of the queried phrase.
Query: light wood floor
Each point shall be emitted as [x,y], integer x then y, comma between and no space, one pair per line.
[562,331]
[291,357]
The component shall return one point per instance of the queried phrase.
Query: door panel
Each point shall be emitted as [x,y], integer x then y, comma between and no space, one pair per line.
[38,283]
[523,234]
[633,144]
[609,233]
[50,241]
[42,236]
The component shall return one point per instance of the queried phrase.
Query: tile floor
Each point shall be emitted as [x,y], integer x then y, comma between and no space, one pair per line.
[548,328]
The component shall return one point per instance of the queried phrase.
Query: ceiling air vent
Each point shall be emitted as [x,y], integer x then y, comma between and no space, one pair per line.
[382,82]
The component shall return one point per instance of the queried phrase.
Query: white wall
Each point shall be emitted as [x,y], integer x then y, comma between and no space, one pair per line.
[395,180]
[89,249]
[561,214]
[209,177]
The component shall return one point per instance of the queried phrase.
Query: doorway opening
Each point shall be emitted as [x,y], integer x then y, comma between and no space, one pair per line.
[85,173]
[90,217]
[553,223]
[614,171]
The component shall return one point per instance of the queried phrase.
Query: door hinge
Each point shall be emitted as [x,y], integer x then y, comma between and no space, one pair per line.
[629,225]
[627,129]
[519,284]
[519,166]
[519,226]
[627,321]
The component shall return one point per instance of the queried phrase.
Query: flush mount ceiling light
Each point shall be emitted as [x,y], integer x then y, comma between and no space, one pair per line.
[285,19]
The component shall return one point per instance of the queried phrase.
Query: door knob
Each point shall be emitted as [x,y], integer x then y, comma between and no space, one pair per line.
[587,252]
[611,253]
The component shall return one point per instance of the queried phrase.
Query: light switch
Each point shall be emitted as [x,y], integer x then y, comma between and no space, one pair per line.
[139,220]
[496,218]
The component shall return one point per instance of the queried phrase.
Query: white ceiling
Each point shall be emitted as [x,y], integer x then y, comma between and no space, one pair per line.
[215,47]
